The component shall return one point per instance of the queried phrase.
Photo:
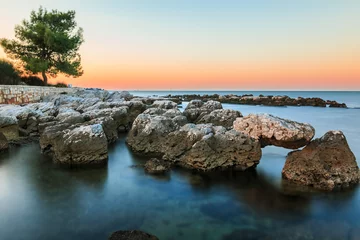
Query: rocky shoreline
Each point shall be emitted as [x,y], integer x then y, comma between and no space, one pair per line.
[269,100]
[76,129]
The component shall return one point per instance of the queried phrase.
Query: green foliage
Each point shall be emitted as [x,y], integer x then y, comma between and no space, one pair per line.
[48,43]
[8,74]
[60,85]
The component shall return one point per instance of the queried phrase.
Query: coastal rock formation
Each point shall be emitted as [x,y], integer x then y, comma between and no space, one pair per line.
[3,142]
[326,163]
[156,166]
[9,127]
[166,104]
[81,145]
[207,147]
[221,117]
[196,109]
[150,129]
[270,100]
[271,130]
[132,235]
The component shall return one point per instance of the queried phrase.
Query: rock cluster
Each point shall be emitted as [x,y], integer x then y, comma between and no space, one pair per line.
[132,235]
[167,134]
[76,127]
[326,163]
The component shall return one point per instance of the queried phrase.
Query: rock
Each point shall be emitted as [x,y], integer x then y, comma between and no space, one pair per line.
[150,130]
[132,235]
[9,127]
[326,163]
[116,95]
[4,145]
[69,115]
[156,166]
[164,104]
[83,145]
[207,147]
[196,109]
[271,130]
[221,117]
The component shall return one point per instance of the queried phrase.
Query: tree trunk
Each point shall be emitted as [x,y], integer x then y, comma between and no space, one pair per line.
[44,78]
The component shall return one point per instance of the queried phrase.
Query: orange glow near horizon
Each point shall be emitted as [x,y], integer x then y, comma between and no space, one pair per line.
[211,45]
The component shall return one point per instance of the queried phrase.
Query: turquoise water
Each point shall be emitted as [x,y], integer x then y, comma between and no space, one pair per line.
[39,200]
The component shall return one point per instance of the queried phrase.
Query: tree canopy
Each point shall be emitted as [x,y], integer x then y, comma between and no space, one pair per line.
[48,43]
[8,74]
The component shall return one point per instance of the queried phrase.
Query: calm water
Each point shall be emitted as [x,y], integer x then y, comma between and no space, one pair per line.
[39,200]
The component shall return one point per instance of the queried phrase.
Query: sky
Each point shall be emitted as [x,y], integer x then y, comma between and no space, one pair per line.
[210,45]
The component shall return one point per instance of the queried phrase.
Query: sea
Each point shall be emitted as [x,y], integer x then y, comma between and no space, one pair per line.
[41,200]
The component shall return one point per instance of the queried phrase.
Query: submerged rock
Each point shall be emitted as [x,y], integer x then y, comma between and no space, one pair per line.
[132,235]
[271,130]
[156,166]
[326,163]
[221,117]
[9,127]
[4,144]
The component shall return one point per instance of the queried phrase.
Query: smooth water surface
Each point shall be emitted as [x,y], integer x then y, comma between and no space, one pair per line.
[39,200]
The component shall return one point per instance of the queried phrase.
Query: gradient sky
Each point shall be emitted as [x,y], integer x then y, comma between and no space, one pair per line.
[205,44]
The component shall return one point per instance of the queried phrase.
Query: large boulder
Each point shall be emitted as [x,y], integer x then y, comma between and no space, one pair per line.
[196,109]
[9,127]
[271,130]
[221,117]
[132,235]
[150,129]
[84,145]
[207,147]
[326,163]
[3,142]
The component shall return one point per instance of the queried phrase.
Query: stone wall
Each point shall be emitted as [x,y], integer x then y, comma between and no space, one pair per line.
[18,94]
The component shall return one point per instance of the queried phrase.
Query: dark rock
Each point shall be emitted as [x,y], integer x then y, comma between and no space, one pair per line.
[326,163]
[132,235]
[4,145]
[156,166]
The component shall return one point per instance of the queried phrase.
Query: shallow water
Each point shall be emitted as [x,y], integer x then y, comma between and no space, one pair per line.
[39,200]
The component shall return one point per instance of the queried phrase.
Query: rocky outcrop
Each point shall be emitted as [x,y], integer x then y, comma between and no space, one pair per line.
[4,145]
[132,235]
[156,166]
[207,147]
[326,163]
[79,146]
[221,117]
[9,127]
[150,129]
[271,130]
[196,109]
[249,99]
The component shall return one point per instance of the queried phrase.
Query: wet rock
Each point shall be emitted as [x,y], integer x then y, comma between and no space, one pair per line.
[83,145]
[271,130]
[326,163]
[207,147]
[156,166]
[221,117]
[132,235]
[164,104]
[9,127]
[4,145]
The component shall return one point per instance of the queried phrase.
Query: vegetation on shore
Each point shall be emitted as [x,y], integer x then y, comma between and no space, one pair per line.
[47,44]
